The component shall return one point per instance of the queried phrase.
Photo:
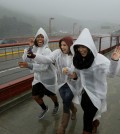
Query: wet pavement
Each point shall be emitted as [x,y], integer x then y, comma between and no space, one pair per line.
[23,118]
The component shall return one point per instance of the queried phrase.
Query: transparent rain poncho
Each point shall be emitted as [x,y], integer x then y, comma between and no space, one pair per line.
[93,79]
[44,73]
[61,60]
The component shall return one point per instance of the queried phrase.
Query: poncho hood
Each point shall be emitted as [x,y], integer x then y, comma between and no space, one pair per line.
[85,38]
[42,31]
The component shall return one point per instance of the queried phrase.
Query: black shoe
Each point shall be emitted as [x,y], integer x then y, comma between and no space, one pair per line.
[43,112]
[55,110]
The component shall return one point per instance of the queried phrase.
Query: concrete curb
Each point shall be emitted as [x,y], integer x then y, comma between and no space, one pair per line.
[14,101]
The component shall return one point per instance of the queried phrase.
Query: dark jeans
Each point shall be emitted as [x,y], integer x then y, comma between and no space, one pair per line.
[67,96]
[89,112]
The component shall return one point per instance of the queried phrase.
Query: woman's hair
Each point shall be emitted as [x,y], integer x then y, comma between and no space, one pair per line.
[81,62]
[35,43]
[68,40]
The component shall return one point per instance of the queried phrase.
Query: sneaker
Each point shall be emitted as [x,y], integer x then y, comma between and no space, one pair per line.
[43,112]
[55,110]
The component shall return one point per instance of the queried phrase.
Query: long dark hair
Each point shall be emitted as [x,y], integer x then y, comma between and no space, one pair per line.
[35,43]
[81,62]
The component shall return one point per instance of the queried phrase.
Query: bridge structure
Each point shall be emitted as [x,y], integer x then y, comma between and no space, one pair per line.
[18,112]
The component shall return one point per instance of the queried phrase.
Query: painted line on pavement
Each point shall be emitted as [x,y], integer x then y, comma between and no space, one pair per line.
[9,69]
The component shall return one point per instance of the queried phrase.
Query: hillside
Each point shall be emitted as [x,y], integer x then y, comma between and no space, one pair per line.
[59,24]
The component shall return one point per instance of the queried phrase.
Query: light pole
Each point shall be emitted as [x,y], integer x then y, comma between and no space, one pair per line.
[74,24]
[79,30]
[50,21]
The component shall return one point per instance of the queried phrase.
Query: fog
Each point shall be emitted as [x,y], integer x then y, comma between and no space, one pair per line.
[100,10]
[100,16]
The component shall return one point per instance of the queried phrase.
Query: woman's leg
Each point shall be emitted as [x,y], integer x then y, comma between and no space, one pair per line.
[54,98]
[95,126]
[74,110]
[89,113]
[67,96]
[56,104]
[37,95]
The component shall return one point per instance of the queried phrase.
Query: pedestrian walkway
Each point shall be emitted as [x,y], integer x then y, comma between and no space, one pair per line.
[23,118]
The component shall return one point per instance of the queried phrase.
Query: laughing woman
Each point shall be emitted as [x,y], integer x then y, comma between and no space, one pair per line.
[93,69]
[42,84]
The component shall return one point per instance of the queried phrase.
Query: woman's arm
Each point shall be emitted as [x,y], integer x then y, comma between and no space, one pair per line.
[40,67]
[115,62]
[51,58]
[31,44]
[33,66]
[113,68]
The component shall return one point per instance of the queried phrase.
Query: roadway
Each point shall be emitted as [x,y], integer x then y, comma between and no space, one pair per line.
[9,69]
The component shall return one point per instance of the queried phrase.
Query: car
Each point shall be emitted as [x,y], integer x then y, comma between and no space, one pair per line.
[7,41]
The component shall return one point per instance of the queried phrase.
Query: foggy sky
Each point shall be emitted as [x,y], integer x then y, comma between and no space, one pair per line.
[101,10]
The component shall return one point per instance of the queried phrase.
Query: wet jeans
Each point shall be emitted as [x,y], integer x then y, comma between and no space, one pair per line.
[67,96]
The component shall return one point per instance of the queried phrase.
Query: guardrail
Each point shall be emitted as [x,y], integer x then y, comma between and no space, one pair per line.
[10,55]
[9,52]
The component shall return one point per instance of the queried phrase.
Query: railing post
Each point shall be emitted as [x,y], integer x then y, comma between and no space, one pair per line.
[110,41]
[117,40]
[100,44]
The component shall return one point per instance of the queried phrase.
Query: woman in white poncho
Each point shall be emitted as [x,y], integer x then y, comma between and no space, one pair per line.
[42,84]
[67,87]
[93,68]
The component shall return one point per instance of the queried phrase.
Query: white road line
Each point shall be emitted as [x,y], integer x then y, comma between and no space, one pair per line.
[9,69]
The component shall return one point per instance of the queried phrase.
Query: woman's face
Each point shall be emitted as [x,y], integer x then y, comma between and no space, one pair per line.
[65,48]
[83,50]
[40,40]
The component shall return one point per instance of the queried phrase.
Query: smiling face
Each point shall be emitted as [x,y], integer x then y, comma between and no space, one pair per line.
[83,50]
[40,40]
[64,47]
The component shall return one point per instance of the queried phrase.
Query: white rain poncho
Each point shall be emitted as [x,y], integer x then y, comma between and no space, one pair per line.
[94,79]
[62,60]
[44,73]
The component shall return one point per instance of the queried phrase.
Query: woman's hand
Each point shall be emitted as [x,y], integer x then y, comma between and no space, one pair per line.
[65,70]
[30,54]
[31,42]
[73,76]
[116,54]
[23,64]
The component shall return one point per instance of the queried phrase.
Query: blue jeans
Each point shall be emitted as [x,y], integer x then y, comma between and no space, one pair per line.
[67,96]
